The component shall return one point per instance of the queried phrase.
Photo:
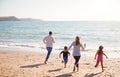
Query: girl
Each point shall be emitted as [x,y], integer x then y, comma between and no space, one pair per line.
[99,55]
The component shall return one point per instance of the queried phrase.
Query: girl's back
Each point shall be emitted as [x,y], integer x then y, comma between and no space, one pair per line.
[100,56]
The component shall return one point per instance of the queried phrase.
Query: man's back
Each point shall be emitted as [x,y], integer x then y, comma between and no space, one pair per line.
[48,40]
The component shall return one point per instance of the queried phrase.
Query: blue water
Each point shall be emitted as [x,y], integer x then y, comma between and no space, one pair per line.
[29,34]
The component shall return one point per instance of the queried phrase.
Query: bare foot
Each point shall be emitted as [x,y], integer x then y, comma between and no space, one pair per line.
[45,62]
[77,69]
[103,70]
[74,69]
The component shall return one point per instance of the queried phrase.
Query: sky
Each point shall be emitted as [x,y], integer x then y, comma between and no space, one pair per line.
[93,10]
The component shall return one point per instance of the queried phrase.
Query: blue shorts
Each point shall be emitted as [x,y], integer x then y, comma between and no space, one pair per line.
[65,59]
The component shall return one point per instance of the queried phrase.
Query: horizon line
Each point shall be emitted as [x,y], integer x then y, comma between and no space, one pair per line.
[61,19]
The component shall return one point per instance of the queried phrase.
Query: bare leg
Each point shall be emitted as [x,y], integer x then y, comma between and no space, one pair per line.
[77,67]
[65,64]
[102,66]
[45,62]
[73,68]
[97,63]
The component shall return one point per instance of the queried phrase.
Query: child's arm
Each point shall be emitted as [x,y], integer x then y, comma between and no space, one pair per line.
[96,55]
[69,53]
[105,55]
[60,54]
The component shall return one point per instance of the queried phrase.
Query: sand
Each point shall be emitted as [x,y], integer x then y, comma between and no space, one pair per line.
[30,64]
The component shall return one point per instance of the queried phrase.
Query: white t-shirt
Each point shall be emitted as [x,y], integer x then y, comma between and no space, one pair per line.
[48,40]
[76,49]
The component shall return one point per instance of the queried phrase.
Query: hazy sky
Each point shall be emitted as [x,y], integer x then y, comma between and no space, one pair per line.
[62,9]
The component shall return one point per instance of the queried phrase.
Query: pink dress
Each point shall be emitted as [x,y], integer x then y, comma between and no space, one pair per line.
[100,57]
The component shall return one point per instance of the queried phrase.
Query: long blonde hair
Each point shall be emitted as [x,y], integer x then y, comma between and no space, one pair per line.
[77,40]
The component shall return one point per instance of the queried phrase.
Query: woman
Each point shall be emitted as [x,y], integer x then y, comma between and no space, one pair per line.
[76,52]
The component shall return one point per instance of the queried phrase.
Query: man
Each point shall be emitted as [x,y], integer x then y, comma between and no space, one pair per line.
[48,40]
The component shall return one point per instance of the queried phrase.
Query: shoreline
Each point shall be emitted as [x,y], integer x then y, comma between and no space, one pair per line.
[85,53]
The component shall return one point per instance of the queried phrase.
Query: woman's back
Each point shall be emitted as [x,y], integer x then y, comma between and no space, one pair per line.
[76,49]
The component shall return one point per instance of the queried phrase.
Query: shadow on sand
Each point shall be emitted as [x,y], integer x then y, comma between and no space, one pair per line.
[65,75]
[92,74]
[32,66]
[55,70]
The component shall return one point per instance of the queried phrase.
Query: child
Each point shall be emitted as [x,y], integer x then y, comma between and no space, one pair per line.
[65,55]
[99,55]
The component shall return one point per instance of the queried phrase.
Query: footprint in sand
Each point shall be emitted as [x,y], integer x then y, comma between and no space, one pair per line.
[118,61]
[87,63]
[108,74]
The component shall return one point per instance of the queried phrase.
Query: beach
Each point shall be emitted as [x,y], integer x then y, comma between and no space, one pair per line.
[31,64]
[33,30]
[22,51]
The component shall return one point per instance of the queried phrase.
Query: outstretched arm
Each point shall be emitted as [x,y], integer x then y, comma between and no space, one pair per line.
[82,47]
[60,54]
[105,55]
[95,55]
[69,53]
[44,41]
[53,40]
[70,46]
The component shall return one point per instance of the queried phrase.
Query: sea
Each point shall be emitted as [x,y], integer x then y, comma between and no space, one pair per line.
[28,35]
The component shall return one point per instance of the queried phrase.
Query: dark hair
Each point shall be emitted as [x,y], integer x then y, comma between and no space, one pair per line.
[77,40]
[100,49]
[65,47]
[50,32]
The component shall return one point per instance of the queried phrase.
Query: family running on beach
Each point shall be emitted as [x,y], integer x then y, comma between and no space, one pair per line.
[49,40]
